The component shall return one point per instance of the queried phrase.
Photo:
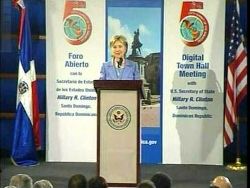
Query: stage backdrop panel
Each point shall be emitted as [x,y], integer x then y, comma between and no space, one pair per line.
[193,82]
[75,49]
[128,18]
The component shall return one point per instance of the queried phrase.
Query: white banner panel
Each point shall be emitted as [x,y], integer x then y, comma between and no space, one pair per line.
[75,49]
[193,83]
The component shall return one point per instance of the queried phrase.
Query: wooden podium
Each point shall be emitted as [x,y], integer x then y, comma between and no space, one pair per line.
[118,131]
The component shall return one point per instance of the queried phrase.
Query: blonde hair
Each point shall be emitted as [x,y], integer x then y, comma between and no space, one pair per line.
[119,38]
[43,184]
[21,181]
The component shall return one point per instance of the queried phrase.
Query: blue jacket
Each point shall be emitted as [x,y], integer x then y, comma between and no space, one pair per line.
[130,71]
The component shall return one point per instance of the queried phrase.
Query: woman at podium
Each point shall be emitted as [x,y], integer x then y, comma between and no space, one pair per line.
[119,68]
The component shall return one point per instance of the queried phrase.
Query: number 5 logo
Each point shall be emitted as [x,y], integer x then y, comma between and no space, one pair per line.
[193,25]
[77,25]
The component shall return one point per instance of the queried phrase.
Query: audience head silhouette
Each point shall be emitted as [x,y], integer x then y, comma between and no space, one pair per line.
[161,180]
[97,182]
[43,184]
[146,184]
[77,181]
[21,181]
[221,182]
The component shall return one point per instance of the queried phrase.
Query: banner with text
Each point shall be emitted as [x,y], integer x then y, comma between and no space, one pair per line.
[75,49]
[194,81]
[78,34]
[144,38]
[181,64]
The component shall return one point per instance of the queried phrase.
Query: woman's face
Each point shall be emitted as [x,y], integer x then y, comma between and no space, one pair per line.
[118,50]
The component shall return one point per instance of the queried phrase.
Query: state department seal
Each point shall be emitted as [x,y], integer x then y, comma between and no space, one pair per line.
[118,117]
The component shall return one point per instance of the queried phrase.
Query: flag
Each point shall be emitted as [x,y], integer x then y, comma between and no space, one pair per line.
[236,86]
[26,139]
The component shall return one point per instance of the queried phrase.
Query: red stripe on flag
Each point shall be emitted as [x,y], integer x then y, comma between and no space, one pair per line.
[36,121]
[240,58]
[21,22]
[241,76]
[230,90]
[242,94]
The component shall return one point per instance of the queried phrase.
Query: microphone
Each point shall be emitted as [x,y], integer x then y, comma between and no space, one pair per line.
[119,63]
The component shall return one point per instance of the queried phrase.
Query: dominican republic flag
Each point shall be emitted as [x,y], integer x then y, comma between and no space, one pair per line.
[26,138]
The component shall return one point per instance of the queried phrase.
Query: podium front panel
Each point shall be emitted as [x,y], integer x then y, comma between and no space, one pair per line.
[118,136]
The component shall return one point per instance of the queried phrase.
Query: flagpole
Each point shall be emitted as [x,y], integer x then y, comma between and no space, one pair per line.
[237,166]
